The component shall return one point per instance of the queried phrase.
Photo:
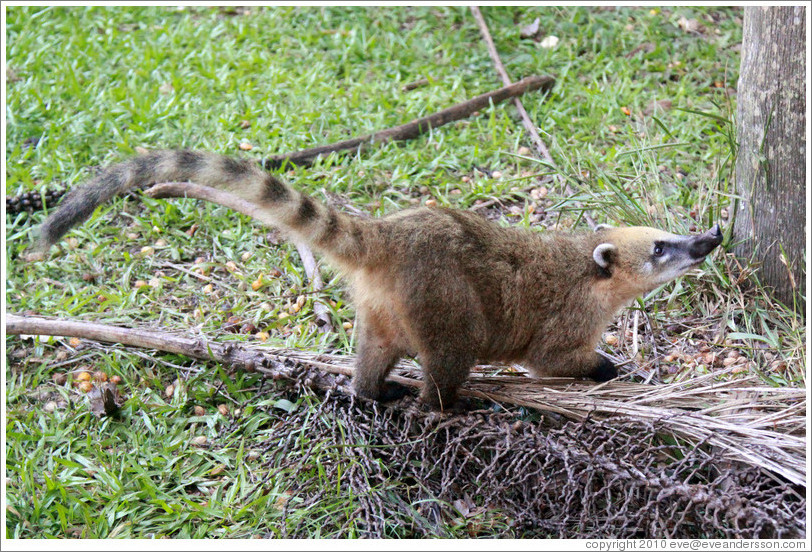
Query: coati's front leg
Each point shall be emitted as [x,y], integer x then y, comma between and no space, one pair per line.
[443,374]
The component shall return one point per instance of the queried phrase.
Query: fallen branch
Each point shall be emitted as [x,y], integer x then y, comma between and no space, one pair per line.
[416,127]
[236,203]
[528,124]
[749,423]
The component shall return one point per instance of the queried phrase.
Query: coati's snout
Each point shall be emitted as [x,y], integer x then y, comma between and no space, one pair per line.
[700,246]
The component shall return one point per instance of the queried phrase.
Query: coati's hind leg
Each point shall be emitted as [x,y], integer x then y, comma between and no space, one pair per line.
[375,357]
[448,325]
[443,374]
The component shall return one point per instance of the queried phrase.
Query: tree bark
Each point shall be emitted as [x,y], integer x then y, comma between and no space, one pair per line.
[771,163]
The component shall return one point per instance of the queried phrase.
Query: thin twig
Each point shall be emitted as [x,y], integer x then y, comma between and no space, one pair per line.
[500,68]
[528,124]
[312,270]
[416,127]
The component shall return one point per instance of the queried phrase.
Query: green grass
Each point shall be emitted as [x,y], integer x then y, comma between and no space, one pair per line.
[87,86]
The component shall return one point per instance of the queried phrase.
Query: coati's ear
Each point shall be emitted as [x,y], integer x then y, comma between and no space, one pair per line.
[599,227]
[604,254]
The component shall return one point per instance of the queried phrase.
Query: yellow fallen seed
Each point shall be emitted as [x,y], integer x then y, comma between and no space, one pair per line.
[262,336]
[245,146]
[139,284]
[347,325]
[85,386]
[169,391]
[83,376]
[147,250]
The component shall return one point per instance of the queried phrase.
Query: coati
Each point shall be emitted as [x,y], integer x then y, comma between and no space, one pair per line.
[440,284]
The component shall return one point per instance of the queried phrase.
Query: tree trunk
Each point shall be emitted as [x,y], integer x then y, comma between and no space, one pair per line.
[771,163]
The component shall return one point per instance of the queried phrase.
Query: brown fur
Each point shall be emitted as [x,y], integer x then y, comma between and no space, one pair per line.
[440,284]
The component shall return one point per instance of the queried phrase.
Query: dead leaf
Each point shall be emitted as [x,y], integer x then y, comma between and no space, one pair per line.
[663,105]
[466,506]
[105,400]
[646,48]
[690,25]
[549,42]
[531,30]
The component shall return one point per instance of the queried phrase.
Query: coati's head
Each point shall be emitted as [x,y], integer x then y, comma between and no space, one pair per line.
[637,259]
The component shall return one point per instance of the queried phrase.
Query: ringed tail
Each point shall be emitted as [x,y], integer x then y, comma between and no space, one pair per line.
[324,228]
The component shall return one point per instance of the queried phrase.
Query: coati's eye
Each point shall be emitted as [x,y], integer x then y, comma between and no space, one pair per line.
[658,250]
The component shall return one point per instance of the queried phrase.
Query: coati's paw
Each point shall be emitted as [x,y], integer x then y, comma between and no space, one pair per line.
[389,391]
[459,405]
[393,391]
[604,371]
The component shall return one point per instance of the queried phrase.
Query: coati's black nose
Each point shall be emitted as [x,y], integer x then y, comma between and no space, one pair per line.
[703,244]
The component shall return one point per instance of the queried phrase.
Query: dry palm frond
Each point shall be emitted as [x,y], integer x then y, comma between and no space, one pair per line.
[749,422]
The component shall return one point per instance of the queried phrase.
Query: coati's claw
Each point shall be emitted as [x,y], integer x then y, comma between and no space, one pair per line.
[604,371]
